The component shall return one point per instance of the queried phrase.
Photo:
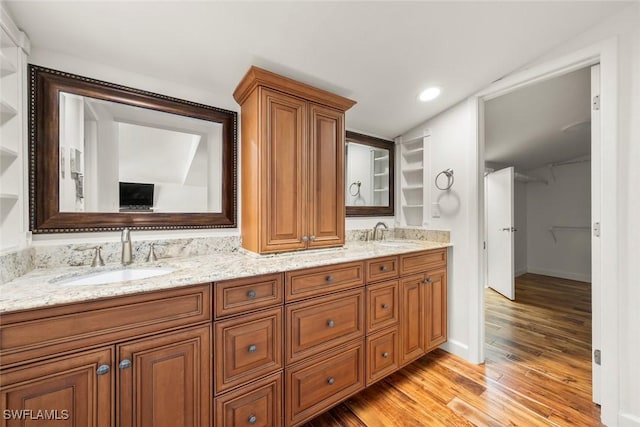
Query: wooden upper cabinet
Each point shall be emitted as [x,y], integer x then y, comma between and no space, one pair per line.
[292,164]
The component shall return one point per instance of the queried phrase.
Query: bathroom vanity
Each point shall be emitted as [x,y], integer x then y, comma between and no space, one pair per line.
[225,340]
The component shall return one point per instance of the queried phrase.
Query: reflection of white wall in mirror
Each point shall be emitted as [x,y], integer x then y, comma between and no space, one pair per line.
[359,168]
[71,136]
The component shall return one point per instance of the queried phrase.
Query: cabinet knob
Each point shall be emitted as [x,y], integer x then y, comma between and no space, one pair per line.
[253,348]
[103,369]
[331,323]
[385,355]
[251,294]
[427,280]
[252,419]
[329,278]
[330,381]
[383,268]
[304,238]
[385,306]
[124,364]
[312,238]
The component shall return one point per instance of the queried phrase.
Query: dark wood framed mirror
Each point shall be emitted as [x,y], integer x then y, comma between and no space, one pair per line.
[369,175]
[104,156]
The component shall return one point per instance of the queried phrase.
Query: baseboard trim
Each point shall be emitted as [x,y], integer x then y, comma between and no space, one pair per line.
[521,272]
[457,348]
[628,420]
[561,274]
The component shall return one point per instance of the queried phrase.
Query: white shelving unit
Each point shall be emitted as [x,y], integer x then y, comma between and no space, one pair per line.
[14,47]
[411,182]
[380,177]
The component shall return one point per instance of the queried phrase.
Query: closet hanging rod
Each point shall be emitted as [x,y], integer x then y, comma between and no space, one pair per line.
[569,162]
[553,228]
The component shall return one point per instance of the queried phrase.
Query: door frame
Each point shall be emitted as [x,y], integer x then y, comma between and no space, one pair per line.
[606,54]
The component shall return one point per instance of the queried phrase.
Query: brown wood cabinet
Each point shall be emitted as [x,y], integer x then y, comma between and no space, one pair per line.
[153,367]
[76,388]
[165,380]
[292,164]
[257,404]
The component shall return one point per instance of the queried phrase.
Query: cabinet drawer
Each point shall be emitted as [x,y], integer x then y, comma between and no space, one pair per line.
[382,268]
[252,293]
[382,354]
[320,280]
[382,305]
[319,324]
[258,404]
[317,384]
[247,347]
[421,261]
[36,334]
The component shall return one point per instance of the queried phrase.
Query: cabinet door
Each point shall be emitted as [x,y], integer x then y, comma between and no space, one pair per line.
[412,318]
[326,168]
[436,296]
[165,380]
[71,390]
[283,167]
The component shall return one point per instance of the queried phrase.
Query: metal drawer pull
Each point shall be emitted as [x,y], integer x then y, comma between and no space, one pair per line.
[124,364]
[329,278]
[253,348]
[103,369]
[383,268]
[312,238]
[385,354]
[427,280]
[251,294]
[385,306]
[253,419]
[330,381]
[331,323]
[304,238]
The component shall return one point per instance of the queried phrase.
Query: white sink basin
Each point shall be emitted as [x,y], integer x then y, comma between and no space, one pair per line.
[395,243]
[113,276]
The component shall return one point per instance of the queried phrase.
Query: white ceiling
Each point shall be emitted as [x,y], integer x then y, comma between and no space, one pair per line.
[540,124]
[381,54]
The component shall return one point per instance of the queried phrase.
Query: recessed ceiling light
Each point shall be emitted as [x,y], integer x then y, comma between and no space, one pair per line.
[429,94]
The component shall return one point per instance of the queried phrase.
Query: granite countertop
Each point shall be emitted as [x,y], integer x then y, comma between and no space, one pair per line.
[45,287]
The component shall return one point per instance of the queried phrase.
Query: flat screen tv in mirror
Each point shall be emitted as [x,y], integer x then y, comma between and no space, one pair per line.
[88,136]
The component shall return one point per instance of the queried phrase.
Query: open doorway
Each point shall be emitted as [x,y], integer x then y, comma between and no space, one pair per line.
[538,214]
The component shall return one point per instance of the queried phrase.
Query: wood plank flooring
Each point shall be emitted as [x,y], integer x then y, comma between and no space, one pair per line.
[537,370]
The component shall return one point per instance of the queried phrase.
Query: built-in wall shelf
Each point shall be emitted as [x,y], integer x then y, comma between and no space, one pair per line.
[412,181]
[8,153]
[380,190]
[7,110]
[380,159]
[7,66]
[412,151]
[412,206]
[413,169]
[413,187]
[9,196]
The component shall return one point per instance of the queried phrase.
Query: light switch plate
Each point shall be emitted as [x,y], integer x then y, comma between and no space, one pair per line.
[435,210]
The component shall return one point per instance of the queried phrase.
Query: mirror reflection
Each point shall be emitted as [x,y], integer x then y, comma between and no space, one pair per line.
[121,158]
[367,175]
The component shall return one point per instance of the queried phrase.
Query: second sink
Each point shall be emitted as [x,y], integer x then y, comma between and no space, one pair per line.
[112,276]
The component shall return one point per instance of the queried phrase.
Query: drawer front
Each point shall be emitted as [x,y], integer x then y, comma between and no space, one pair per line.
[320,280]
[422,261]
[317,384]
[382,269]
[382,305]
[248,294]
[36,334]
[319,324]
[247,347]
[258,404]
[382,354]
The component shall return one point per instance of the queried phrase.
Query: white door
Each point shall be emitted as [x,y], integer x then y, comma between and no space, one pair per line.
[596,271]
[500,229]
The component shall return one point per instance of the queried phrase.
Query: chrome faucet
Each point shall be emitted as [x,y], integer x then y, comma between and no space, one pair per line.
[375,229]
[126,246]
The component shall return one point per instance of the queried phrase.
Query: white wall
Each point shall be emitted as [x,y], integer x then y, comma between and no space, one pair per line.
[359,169]
[451,133]
[566,201]
[520,223]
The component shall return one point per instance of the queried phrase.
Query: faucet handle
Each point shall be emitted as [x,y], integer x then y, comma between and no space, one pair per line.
[151,257]
[97,255]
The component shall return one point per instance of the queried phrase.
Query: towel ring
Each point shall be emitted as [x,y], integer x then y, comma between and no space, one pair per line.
[357,191]
[449,175]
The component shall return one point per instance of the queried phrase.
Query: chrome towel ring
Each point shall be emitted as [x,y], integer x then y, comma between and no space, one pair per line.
[357,190]
[449,174]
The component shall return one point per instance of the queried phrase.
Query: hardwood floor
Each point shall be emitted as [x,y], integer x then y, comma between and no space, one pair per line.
[537,370]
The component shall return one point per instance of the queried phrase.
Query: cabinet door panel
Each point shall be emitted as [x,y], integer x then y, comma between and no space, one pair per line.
[68,389]
[326,186]
[436,292]
[412,318]
[168,383]
[382,306]
[284,168]
[257,404]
